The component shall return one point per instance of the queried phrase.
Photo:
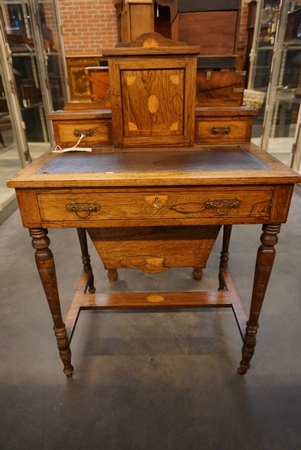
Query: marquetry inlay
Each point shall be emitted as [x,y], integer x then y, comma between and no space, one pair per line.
[153,104]
[153,94]
[150,43]
[154,298]
[156,201]
[132,127]
[175,79]
[130,79]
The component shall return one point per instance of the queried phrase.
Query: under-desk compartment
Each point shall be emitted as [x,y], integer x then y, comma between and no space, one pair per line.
[156,205]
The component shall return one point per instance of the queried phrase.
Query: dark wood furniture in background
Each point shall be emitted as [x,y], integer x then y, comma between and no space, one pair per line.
[156,206]
[213,25]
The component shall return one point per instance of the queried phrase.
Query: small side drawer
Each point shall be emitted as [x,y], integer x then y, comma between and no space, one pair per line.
[97,132]
[223,130]
[210,203]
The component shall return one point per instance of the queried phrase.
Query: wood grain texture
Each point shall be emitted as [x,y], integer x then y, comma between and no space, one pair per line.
[96,125]
[154,208]
[154,104]
[99,82]
[198,204]
[264,264]
[160,96]
[219,88]
[154,250]
[204,28]
[46,268]
[123,301]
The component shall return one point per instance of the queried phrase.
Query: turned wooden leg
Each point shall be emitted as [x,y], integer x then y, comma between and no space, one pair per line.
[46,268]
[82,236]
[1,140]
[224,256]
[112,275]
[197,273]
[264,264]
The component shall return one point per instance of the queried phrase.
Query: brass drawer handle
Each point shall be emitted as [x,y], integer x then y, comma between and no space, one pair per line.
[223,206]
[86,133]
[83,210]
[221,131]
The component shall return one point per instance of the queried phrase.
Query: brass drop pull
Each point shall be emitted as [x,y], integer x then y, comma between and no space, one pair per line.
[83,210]
[223,206]
[86,133]
[220,131]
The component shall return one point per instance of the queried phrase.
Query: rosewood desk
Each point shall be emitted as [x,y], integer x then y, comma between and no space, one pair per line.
[138,205]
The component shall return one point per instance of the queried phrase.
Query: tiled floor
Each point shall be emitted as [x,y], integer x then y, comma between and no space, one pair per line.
[164,381]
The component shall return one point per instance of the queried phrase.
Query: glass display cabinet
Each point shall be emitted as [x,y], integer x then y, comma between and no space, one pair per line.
[33,82]
[275,69]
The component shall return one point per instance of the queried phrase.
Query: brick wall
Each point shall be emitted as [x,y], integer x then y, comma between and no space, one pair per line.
[88,26]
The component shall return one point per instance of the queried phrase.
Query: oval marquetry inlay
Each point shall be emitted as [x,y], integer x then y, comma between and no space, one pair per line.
[150,43]
[188,208]
[155,298]
[153,104]
[130,79]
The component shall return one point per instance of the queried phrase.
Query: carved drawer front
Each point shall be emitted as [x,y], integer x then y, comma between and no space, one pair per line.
[156,205]
[222,130]
[96,133]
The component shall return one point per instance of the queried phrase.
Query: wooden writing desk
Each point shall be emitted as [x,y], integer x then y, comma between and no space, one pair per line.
[155,189]
[155,206]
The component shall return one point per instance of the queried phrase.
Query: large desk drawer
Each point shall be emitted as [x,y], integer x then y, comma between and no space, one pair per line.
[168,204]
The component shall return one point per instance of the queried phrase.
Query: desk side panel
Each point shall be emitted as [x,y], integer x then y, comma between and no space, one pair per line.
[29,208]
[281,203]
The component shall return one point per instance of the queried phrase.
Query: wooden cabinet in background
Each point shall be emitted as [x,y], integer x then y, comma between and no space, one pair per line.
[134,17]
[213,24]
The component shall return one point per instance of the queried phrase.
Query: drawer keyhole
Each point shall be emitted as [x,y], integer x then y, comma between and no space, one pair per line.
[157,204]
